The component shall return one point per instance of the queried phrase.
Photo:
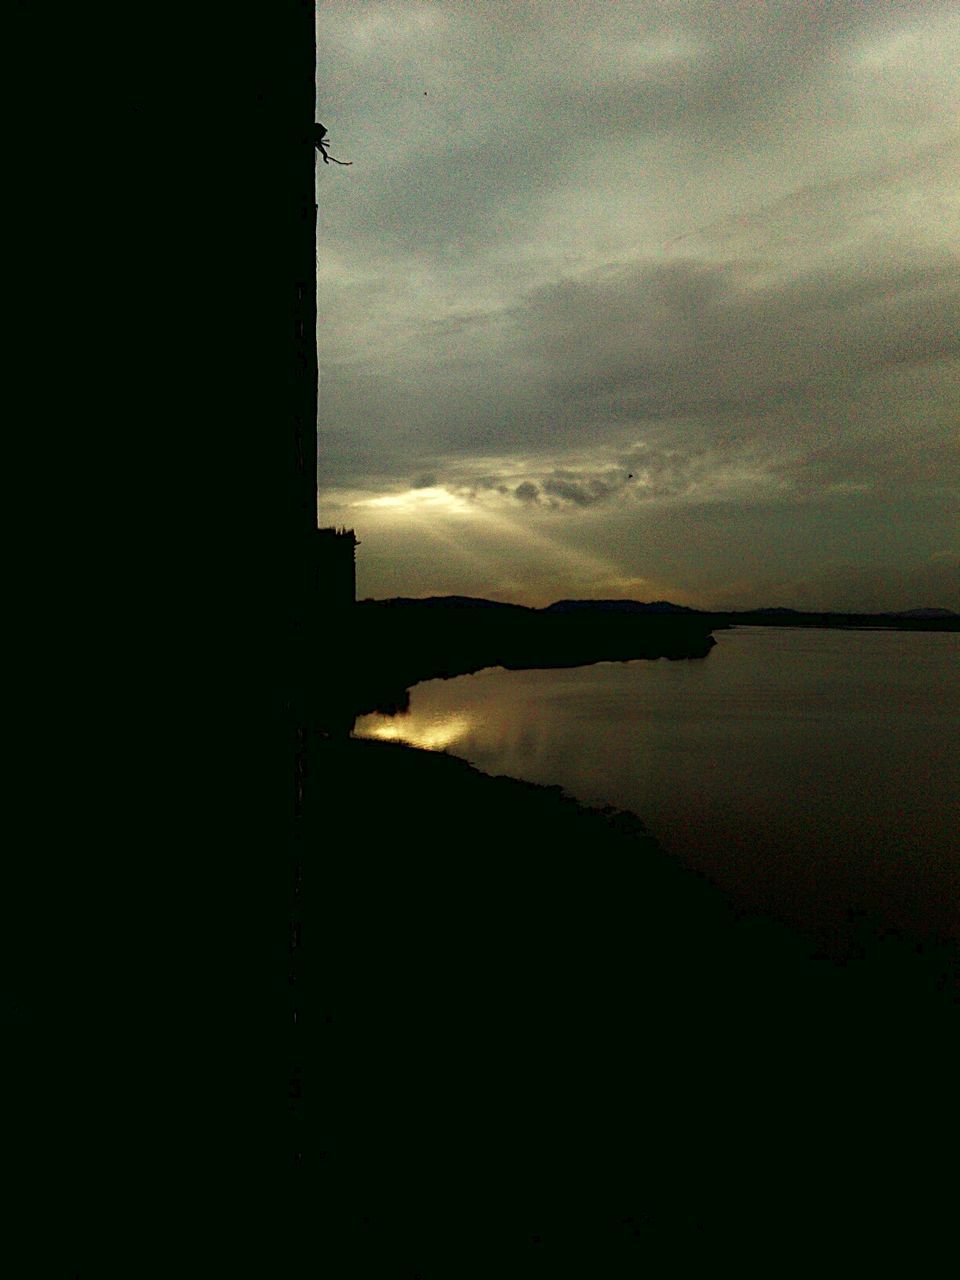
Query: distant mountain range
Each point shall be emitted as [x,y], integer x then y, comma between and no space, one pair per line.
[666,606]
[926,613]
[617,606]
[653,606]
[900,613]
[447,602]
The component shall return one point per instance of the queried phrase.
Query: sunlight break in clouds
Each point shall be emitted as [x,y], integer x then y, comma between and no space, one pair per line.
[428,502]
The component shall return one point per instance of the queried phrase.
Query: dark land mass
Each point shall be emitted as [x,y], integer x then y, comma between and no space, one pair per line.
[617,606]
[386,646]
[536,1016]
[547,1047]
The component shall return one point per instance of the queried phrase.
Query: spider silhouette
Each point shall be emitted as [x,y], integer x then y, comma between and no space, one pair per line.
[319,136]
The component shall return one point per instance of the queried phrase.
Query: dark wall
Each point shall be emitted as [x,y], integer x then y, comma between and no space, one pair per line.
[336,572]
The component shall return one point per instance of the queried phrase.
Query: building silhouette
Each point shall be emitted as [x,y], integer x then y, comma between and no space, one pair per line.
[335,569]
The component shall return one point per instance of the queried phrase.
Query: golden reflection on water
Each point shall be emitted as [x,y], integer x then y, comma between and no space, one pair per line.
[433,733]
[805,770]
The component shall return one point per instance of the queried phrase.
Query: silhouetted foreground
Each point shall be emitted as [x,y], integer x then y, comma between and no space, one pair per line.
[547,1048]
[378,650]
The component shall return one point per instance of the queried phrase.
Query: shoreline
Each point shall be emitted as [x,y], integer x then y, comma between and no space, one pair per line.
[529,1005]
[493,817]
[383,649]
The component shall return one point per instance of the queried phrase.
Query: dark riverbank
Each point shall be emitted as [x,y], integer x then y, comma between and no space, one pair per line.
[535,1016]
[377,650]
[381,648]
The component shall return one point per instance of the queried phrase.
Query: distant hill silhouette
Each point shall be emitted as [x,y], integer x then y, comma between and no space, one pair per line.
[805,617]
[927,613]
[618,606]
[767,611]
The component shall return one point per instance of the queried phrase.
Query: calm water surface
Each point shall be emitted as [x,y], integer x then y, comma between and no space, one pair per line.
[810,772]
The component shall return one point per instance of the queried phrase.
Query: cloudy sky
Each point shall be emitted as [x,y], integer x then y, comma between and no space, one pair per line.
[647,299]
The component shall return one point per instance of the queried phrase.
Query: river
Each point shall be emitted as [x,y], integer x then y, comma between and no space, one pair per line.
[812,774]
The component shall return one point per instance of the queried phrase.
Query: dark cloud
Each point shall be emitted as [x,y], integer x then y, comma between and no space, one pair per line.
[582,490]
[654,343]
[424,482]
[666,341]
[485,484]
[526,492]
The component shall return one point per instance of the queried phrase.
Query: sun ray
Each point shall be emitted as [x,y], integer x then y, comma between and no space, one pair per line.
[478,533]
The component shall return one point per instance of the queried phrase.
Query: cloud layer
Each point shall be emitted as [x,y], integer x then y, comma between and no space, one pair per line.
[603,271]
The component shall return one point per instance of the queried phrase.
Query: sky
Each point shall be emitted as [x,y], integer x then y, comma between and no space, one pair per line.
[655,299]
